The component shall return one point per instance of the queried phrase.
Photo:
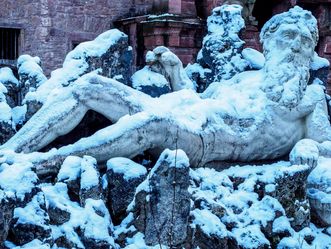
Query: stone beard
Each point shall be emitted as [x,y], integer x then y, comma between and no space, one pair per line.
[286,76]
[288,44]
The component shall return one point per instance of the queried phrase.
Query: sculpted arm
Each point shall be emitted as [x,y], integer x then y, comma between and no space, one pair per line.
[317,140]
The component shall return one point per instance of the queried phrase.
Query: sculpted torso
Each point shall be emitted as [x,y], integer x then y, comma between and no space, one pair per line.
[253,127]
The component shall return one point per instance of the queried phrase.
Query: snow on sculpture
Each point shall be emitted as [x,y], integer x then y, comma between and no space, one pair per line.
[220,56]
[162,74]
[248,6]
[275,112]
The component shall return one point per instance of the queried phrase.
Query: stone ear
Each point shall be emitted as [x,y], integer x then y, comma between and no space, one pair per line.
[265,44]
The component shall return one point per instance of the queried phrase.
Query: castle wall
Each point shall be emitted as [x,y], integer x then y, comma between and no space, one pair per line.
[49,28]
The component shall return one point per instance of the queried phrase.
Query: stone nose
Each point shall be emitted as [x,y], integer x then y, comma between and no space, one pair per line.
[296,44]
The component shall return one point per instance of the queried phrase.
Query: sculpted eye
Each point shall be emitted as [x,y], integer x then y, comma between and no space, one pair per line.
[306,41]
[289,35]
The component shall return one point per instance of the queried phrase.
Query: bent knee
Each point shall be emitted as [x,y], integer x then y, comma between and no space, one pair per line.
[169,58]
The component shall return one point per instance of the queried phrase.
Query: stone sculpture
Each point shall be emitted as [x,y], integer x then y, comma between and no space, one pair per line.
[220,57]
[162,74]
[247,12]
[276,110]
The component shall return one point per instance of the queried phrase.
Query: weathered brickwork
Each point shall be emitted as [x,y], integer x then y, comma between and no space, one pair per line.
[49,28]
[323,13]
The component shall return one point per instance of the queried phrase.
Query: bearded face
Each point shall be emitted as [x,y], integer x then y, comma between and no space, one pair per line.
[288,55]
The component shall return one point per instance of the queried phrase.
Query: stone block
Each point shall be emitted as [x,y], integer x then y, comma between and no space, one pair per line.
[175,6]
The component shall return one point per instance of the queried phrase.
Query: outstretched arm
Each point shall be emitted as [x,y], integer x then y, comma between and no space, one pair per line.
[318,132]
[318,123]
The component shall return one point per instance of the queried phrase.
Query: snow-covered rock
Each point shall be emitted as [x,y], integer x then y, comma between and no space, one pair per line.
[6,125]
[251,203]
[9,85]
[31,222]
[150,82]
[30,74]
[319,192]
[18,187]
[7,206]
[109,54]
[18,180]
[123,177]
[255,58]
[7,77]
[18,115]
[162,204]
[86,227]
[69,173]
[90,182]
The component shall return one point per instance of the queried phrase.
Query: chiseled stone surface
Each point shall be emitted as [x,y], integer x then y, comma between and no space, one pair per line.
[162,202]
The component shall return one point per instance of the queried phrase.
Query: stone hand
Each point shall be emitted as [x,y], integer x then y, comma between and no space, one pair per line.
[305,152]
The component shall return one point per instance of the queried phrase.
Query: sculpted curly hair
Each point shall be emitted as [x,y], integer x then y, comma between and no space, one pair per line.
[295,15]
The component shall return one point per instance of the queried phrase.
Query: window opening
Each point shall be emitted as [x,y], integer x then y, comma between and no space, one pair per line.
[263,11]
[9,43]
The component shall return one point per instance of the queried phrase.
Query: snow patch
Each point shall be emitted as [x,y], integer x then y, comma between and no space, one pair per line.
[17,179]
[209,223]
[255,58]
[175,158]
[89,174]
[127,167]
[34,244]
[7,76]
[18,115]
[319,62]
[32,213]
[5,112]
[146,77]
[70,169]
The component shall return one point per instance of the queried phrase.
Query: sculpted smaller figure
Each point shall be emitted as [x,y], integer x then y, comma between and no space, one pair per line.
[276,110]
[162,74]
[163,61]
[247,12]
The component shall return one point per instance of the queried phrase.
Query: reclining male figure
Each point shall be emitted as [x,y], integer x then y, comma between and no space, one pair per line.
[212,127]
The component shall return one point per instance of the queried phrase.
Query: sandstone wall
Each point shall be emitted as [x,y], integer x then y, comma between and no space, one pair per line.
[50,28]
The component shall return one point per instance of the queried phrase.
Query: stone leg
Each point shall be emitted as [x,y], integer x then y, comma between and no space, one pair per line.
[57,117]
[128,137]
[174,69]
[65,108]
[170,66]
